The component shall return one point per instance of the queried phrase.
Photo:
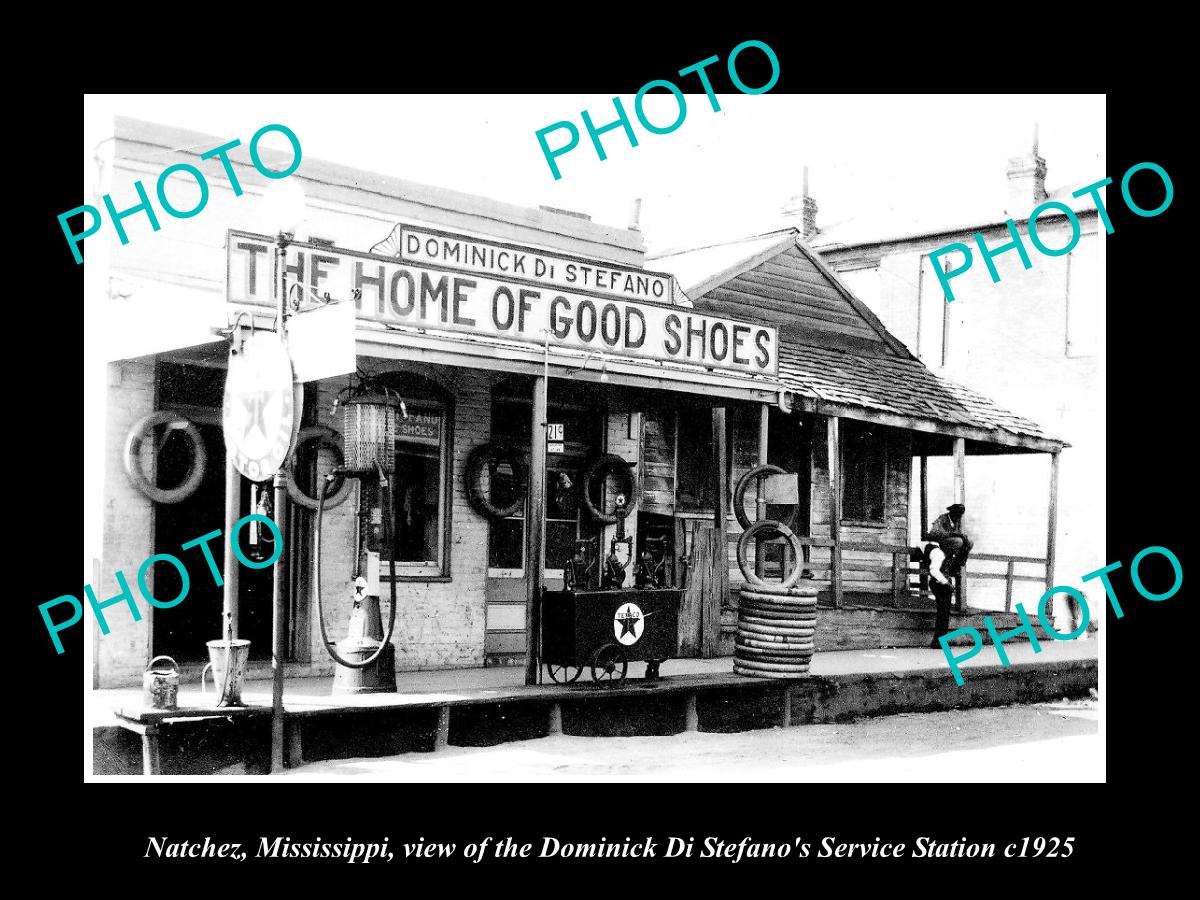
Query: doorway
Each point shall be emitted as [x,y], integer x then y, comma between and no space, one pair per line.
[181,631]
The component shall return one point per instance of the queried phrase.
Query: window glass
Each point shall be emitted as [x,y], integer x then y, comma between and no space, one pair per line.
[695,489]
[565,521]
[864,472]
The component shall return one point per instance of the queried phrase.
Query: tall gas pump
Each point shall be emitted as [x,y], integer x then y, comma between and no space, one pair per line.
[365,657]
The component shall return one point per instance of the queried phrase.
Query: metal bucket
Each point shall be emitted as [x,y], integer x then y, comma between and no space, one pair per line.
[227,660]
[160,687]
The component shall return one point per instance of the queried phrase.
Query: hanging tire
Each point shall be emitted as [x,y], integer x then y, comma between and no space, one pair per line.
[600,467]
[744,542]
[739,496]
[133,448]
[327,437]
[492,455]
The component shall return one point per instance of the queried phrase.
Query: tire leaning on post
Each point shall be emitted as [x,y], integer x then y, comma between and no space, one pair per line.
[601,467]
[325,436]
[739,495]
[748,570]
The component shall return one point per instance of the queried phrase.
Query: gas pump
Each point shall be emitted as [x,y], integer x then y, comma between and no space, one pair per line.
[365,657]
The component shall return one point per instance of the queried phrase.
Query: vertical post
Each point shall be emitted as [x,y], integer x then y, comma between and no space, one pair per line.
[835,516]
[960,470]
[960,496]
[718,595]
[278,635]
[1008,585]
[923,531]
[535,522]
[1051,533]
[720,510]
[761,502]
[278,632]
[233,505]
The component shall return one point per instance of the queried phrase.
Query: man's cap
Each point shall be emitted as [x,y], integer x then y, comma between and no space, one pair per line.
[956,508]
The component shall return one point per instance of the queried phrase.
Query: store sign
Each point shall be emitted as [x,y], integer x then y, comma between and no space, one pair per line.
[420,428]
[260,406]
[504,307]
[423,247]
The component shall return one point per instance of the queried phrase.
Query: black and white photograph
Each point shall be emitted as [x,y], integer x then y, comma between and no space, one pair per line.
[703,433]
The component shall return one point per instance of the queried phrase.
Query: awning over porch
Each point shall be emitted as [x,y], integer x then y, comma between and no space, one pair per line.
[903,393]
[835,355]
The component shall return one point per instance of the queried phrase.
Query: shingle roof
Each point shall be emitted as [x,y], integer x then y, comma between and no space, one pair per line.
[893,385]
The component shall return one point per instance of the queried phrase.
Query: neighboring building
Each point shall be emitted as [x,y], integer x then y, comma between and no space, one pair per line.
[1030,341]
[767,328]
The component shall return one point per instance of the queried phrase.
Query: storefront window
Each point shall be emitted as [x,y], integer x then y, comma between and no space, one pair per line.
[420,484]
[864,471]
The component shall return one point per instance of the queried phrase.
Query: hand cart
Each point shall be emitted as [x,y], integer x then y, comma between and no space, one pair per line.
[605,630]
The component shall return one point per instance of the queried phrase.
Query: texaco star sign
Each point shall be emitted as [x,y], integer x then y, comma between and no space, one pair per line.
[628,623]
[260,411]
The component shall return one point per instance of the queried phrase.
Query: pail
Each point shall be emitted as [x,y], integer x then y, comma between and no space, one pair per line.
[160,686]
[227,660]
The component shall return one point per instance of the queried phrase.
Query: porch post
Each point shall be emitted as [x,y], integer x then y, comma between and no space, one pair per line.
[1051,532]
[960,470]
[761,502]
[960,496]
[923,530]
[710,627]
[535,522]
[835,522]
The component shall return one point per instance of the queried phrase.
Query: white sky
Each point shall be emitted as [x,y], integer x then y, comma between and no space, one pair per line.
[720,174]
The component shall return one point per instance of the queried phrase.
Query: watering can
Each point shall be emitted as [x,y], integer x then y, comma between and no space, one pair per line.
[160,686]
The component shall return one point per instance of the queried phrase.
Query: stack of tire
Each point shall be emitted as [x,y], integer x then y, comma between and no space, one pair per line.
[775,631]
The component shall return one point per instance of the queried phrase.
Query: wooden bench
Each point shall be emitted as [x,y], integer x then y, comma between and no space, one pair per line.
[146,722]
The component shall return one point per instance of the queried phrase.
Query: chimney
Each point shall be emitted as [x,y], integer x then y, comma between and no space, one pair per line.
[803,208]
[635,215]
[1026,180]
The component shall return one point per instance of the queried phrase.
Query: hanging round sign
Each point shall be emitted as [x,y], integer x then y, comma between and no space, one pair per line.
[260,406]
[628,623]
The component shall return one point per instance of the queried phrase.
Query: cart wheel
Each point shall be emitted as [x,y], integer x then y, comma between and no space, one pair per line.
[652,669]
[563,674]
[609,664]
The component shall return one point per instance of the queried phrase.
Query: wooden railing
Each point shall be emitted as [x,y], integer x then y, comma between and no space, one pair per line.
[910,579]
[1010,575]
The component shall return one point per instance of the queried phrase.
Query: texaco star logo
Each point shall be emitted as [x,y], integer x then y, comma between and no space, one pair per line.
[629,623]
[259,409]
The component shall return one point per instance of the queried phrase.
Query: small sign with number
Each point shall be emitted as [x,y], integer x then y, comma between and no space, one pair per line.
[554,432]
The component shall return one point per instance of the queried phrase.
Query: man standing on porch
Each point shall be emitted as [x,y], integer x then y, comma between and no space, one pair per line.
[947,529]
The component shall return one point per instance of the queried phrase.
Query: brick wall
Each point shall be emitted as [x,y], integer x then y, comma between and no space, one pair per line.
[439,624]
[128,531]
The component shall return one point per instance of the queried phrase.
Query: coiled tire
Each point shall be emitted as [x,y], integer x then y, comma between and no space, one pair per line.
[601,466]
[493,455]
[133,448]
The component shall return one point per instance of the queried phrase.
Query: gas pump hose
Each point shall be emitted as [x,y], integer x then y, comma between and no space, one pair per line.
[391,542]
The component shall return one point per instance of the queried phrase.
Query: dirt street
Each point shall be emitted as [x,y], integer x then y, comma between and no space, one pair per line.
[1045,742]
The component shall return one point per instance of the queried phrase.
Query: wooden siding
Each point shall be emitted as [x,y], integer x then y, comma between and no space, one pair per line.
[789,291]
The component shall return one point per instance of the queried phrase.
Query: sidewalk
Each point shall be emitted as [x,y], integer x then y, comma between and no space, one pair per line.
[450,685]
